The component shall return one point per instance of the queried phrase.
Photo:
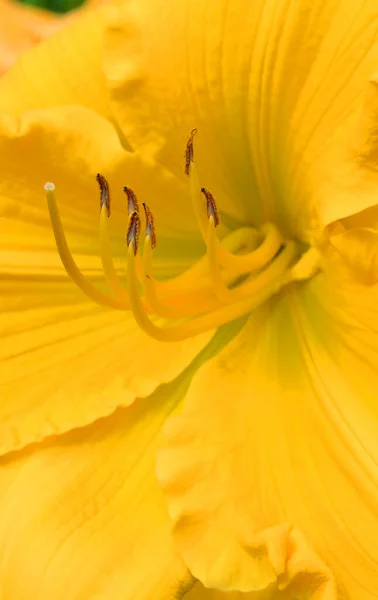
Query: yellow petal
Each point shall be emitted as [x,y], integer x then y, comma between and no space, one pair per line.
[366,218]
[358,247]
[281,427]
[270,86]
[349,187]
[64,69]
[69,145]
[83,517]
[305,576]
[63,361]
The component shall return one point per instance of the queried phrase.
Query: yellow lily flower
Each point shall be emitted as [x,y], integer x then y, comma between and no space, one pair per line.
[260,334]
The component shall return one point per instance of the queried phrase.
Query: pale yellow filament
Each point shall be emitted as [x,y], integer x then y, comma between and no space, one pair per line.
[156,304]
[189,294]
[110,272]
[256,259]
[198,325]
[198,204]
[196,277]
[274,269]
[239,264]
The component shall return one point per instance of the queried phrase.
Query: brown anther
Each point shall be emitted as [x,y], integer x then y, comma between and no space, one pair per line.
[212,209]
[150,225]
[104,193]
[133,231]
[132,202]
[189,151]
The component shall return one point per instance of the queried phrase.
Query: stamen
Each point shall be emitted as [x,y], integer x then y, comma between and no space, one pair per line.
[239,264]
[308,265]
[104,193]
[221,290]
[132,202]
[110,272]
[197,202]
[150,225]
[189,306]
[156,305]
[147,280]
[212,209]
[196,326]
[196,277]
[275,269]
[197,294]
[133,232]
[133,206]
[69,264]
[189,151]
[256,259]
[247,262]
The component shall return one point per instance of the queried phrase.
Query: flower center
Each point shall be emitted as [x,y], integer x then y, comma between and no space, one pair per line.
[223,285]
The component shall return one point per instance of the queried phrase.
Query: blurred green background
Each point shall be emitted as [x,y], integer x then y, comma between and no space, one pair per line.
[59,6]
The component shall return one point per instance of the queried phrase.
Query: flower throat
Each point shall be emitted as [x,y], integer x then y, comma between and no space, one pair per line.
[223,285]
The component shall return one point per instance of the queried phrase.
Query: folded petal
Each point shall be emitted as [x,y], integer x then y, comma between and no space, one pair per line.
[344,172]
[358,247]
[273,88]
[83,517]
[281,427]
[305,575]
[64,362]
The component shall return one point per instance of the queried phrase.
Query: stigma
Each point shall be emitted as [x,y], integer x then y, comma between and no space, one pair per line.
[226,283]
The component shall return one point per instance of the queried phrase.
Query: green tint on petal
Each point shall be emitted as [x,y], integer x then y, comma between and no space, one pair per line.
[279,430]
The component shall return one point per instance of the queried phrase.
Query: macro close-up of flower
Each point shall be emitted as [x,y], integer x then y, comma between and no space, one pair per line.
[189,304]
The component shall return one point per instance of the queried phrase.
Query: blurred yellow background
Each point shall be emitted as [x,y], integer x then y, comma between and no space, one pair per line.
[24,24]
